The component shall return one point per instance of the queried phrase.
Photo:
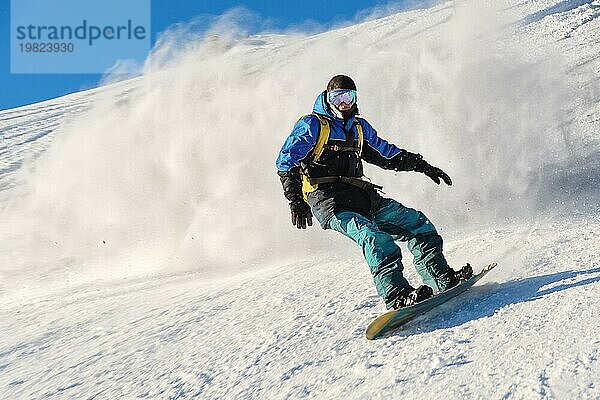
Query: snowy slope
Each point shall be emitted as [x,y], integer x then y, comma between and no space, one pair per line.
[131,267]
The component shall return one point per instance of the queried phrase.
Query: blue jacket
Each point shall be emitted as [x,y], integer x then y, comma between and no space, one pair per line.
[306,132]
[331,197]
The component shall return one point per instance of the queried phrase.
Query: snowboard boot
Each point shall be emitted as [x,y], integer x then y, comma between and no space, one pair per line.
[411,296]
[461,275]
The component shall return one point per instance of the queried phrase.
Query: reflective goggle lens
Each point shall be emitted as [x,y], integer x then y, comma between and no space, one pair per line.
[339,96]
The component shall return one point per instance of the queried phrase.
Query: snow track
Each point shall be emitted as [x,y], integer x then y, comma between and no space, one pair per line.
[298,332]
[28,131]
[529,330]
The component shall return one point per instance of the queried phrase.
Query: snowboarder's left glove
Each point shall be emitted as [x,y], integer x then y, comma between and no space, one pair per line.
[407,161]
[433,172]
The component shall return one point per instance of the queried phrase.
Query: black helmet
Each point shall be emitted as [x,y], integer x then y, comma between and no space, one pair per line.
[341,82]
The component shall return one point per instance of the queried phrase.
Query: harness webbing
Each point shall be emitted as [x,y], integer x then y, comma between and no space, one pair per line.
[311,184]
[323,139]
[344,179]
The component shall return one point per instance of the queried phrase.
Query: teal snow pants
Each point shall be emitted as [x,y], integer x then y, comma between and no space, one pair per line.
[376,235]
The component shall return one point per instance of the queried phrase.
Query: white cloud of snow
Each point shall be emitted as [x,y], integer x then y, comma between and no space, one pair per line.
[176,172]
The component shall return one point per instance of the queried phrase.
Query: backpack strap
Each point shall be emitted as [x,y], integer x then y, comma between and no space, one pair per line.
[324,132]
[361,136]
[322,139]
[323,135]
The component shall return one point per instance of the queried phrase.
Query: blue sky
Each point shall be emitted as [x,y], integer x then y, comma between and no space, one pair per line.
[21,89]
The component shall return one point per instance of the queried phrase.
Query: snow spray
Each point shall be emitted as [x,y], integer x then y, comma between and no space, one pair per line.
[176,172]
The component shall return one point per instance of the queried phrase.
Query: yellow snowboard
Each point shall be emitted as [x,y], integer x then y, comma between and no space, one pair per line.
[393,319]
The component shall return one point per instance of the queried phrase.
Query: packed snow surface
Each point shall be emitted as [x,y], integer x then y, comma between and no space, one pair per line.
[146,249]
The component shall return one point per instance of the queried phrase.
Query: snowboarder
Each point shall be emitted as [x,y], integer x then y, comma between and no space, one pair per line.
[320,167]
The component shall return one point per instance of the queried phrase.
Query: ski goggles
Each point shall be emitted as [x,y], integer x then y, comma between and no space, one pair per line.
[339,96]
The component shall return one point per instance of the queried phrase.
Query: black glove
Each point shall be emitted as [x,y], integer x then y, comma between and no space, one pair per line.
[433,172]
[301,214]
[292,190]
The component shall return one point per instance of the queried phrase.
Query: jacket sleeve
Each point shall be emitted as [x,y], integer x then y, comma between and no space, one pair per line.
[378,151]
[296,148]
[299,144]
